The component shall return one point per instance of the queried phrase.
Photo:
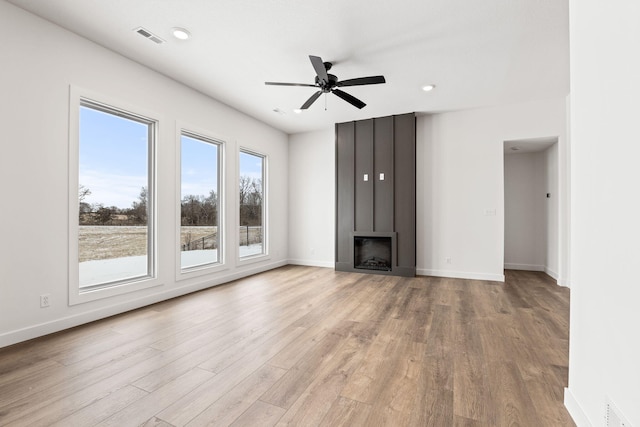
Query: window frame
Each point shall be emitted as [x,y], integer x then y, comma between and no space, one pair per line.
[265,255]
[83,98]
[221,142]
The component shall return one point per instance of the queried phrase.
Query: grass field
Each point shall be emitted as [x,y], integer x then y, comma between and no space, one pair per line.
[109,241]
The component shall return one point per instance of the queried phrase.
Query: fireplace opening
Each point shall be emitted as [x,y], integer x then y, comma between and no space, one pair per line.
[372,253]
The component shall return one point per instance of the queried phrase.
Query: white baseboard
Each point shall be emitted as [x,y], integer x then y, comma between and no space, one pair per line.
[575,410]
[41,329]
[527,267]
[551,273]
[460,274]
[560,281]
[312,263]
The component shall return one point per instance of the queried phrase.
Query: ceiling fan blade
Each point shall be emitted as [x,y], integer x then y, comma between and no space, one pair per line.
[371,80]
[349,98]
[311,100]
[288,84]
[318,65]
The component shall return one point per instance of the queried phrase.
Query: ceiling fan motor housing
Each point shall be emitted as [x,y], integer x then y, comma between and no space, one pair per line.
[326,87]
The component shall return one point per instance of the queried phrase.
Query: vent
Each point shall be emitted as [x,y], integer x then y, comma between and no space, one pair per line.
[149,35]
[613,417]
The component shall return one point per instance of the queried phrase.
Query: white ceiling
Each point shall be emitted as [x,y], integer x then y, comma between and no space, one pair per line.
[530,145]
[477,53]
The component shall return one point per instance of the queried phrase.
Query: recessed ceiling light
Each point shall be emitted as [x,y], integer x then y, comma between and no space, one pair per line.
[181,33]
[428,88]
[297,111]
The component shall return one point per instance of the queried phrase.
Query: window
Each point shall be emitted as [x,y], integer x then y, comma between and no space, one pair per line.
[252,202]
[200,201]
[115,215]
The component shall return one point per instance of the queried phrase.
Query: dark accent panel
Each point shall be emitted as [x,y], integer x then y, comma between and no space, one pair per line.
[383,164]
[405,189]
[376,207]
[364,166]
[345,160]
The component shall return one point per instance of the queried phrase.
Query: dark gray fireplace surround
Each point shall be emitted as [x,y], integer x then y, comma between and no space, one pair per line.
[376,196]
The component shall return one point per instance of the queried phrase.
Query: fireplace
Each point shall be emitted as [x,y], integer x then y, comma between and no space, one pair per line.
[375,192]
[373,251]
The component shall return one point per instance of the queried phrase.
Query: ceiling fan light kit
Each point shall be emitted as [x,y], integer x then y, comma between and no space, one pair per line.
[329,83]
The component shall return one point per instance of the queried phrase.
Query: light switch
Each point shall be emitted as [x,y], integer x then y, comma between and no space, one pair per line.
[366,177]
[382,177]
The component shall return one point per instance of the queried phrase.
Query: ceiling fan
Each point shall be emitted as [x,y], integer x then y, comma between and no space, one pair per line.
[328,83]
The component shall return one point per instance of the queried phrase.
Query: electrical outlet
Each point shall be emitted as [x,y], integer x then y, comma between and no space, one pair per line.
[447,260]
[44,300]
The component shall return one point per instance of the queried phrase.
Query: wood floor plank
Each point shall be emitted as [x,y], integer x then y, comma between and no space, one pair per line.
[547,398]
[512,404]
[298,378]
[307,346]
[459,421]
[365,383]
[259,414]
[236,401]
[470,386]
[347,413]
[440,341]
[395,392]
[101,409]
[182,410]
[238,341]
[53,346]
[152,403]
[155,422]
[71,394]
[305,343]
[318,398]
[433,401]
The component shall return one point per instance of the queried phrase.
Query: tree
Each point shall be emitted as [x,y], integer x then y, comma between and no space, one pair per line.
[250,200]
[190,210]
[103,214]
[211,208]
[84,207]
[138,211]
[199,210]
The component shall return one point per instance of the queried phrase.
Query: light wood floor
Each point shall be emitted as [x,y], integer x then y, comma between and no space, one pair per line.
[305,346]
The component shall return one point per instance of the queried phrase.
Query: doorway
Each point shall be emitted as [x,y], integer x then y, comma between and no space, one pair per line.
[531,205]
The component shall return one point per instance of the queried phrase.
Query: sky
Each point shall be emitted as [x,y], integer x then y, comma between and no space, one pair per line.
[199,167]
[113,158]
[114,166]
[250,165]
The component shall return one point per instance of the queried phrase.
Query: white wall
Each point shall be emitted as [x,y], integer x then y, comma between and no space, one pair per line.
[605,236]
[460,180]
[459,177]
[525,206]
[312,198]
[37,70]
